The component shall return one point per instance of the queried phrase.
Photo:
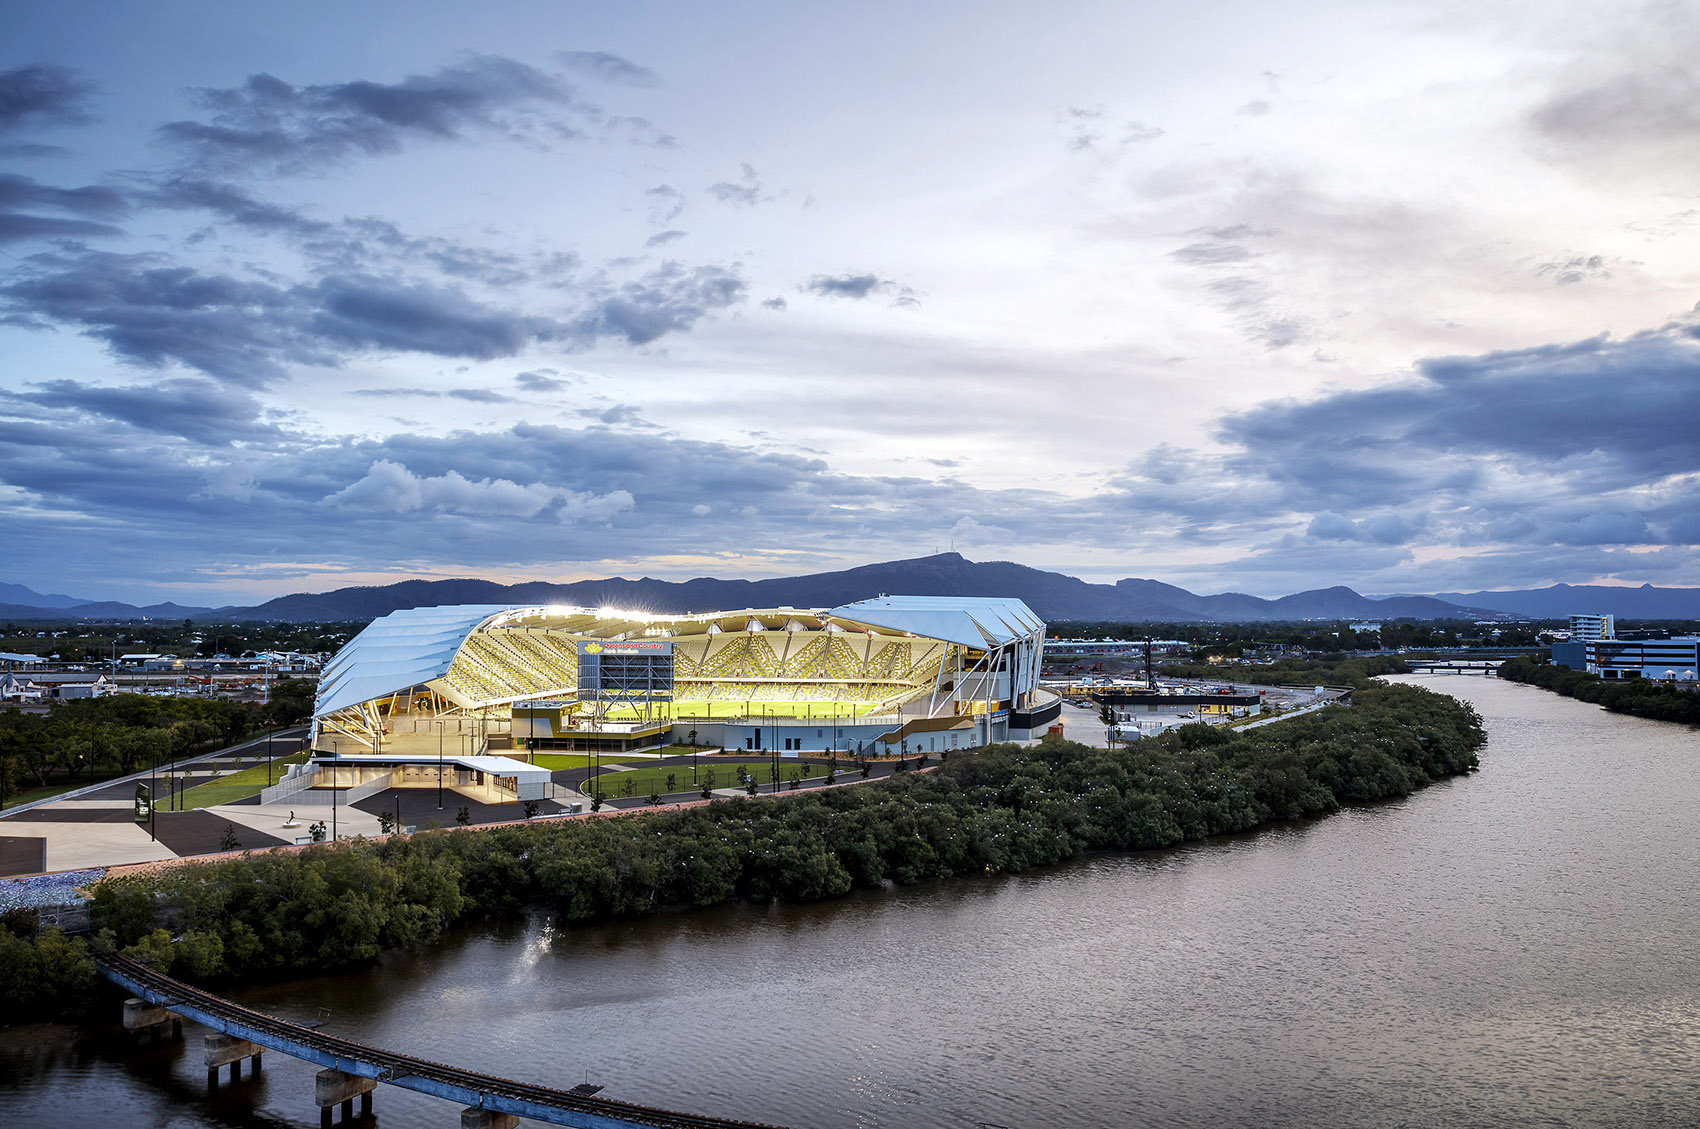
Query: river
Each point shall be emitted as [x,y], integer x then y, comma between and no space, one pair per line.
[1512,948]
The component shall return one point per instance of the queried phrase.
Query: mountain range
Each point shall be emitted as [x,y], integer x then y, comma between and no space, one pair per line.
[1053,595]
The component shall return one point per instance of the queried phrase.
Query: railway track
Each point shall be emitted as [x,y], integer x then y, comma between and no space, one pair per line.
[504,1095]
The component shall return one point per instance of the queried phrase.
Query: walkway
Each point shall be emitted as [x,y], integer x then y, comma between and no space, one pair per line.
[478,1091]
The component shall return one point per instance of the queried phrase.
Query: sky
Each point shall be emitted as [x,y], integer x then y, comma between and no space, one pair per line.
[1237,296]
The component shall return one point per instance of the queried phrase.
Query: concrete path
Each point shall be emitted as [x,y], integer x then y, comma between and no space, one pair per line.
[94,826]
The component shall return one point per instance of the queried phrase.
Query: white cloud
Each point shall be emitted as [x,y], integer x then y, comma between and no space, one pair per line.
[390,487]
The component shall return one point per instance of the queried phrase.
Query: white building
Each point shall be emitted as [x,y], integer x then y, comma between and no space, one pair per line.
[1591,628]
[1675,660]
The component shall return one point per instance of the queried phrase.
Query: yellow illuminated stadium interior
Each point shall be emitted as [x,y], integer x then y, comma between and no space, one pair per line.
[894,656]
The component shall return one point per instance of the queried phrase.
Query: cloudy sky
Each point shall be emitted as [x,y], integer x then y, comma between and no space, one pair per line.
[1238,296]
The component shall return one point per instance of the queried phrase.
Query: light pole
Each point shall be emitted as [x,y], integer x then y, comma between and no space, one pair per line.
[399,826]
[440,725]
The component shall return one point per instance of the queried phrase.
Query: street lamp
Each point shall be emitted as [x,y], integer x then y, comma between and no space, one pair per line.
[440,725]
[399,826]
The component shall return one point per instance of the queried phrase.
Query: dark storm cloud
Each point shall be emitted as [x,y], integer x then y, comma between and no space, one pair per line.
[670,299]
[18,226]
[150,311]
[604,67]
[31,149]
[844,285]
[362,313]
[1601,529]
[1557,445]
[1379,529]
[90,200]
[471,395]
[364,244]
[269,123]
[479,396]
[860,286]
[86,202]
[201,410]
[37,94]
[233,204]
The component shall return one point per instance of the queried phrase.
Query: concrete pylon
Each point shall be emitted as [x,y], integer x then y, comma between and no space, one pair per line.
[228,1049]
[141,1017]
[333,1087]
[473,1117]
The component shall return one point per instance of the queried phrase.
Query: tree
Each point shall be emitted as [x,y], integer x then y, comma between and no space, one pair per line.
[672,783]
[463,816]
[228,841]
[386,822]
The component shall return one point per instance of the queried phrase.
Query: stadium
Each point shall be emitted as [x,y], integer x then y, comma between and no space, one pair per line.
[910,673]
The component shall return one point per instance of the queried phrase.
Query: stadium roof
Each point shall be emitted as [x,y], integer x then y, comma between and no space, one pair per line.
[405,648]
[972,621]
[414,646]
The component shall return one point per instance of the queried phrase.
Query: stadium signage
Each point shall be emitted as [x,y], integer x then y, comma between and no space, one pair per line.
[599,647]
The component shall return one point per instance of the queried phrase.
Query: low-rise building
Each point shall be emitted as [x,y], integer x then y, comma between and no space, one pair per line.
[1671,660]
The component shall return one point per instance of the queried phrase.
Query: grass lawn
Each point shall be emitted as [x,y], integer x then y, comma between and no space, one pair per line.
[555,762]
[238,785]
[654,779]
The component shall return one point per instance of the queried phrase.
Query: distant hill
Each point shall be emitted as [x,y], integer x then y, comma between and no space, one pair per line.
[103,609]
[29,597]
[1051,594]
[1562,600]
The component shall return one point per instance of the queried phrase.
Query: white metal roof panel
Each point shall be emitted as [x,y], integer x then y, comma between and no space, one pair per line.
[490,766]
[399,650]
[972,621]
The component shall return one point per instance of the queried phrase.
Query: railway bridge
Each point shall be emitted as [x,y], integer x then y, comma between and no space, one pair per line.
[1488,667]
[353,1070]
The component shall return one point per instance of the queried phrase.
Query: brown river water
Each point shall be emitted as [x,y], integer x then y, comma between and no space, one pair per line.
[1519,947]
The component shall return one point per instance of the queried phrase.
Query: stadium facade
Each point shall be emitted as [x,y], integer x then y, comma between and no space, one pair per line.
[886,675]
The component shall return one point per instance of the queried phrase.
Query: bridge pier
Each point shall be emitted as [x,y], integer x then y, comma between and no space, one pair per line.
[228,1049]
[333,1087]
[143,1018]
[474,1117]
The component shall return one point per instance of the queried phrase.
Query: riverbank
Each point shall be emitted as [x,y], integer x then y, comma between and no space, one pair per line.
[1636,696]
[999,810]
